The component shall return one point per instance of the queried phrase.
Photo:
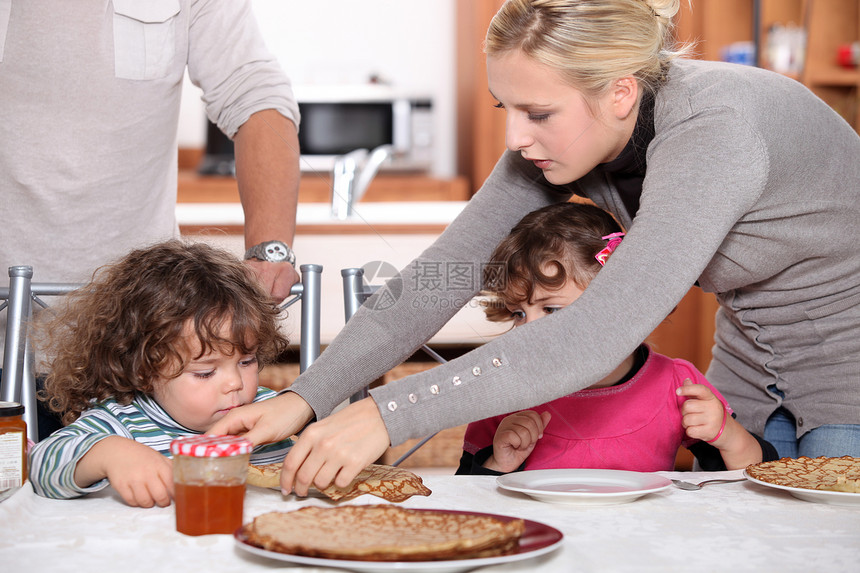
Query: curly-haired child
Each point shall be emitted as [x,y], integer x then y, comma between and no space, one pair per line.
[636,417]
[161,344]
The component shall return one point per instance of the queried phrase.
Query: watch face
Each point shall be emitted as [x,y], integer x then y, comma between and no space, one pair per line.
[275,251]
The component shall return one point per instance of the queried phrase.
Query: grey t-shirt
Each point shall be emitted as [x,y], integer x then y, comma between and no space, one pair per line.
[90,96]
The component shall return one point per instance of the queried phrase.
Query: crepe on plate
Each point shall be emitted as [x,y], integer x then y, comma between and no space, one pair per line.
[822,473]
[388,482]
[384,533]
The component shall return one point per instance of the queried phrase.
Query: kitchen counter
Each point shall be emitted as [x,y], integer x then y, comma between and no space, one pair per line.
[400,217]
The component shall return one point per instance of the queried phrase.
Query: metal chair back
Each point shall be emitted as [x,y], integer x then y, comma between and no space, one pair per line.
[18,381]
[309,291]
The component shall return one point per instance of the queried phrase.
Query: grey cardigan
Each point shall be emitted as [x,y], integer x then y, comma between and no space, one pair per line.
[752,190]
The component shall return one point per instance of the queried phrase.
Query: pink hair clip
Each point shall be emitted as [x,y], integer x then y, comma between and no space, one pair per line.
[612,242]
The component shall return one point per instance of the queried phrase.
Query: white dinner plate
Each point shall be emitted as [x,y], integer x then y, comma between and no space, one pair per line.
[814,495]
[583,486]
[537,540]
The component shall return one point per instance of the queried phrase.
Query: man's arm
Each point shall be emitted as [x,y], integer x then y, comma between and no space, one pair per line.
[267,170]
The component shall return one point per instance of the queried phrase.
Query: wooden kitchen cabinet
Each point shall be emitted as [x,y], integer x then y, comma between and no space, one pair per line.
[828,24]
[481,128]
[193,188]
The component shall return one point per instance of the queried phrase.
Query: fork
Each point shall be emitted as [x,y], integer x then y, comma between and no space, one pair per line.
[694,486]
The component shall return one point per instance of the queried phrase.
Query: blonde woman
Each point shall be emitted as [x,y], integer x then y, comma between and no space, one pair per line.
[732,178]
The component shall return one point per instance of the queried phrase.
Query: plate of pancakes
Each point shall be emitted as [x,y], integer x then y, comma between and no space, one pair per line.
[829,480]
[386,537]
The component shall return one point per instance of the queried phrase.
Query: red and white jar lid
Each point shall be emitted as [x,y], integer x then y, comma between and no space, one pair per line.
[210,446]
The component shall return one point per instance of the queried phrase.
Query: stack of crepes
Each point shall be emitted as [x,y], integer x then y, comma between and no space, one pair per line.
[822,473]
[384,533]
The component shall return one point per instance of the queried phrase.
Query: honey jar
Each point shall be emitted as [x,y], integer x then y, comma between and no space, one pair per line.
[209,483]
[13,448]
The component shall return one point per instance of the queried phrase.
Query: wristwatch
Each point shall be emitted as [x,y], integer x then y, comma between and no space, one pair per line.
[272,252]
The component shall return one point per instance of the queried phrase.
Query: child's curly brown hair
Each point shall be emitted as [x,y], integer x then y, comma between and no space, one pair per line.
[565,237]
[121,332]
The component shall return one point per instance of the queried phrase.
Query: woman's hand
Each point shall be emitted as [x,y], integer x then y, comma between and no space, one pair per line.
[141,475]
[266,421]
[515,439]
[335,449]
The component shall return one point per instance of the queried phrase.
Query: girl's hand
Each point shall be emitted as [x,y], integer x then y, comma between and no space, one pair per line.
[702,413]
[703,416]
[515,439]
[335,449]
[141,475]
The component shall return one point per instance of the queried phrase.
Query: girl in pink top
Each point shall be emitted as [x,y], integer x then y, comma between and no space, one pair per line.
[636,417]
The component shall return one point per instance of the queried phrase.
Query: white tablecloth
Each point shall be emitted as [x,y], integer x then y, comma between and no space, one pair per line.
[730,527]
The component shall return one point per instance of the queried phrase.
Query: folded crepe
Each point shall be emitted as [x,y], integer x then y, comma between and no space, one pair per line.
[388,482]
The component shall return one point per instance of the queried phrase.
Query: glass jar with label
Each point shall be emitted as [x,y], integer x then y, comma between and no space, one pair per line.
[209,483]
[13,448]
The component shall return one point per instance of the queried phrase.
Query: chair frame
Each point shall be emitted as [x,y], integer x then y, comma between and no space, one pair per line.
[18,381]
[18,358]
[309,291]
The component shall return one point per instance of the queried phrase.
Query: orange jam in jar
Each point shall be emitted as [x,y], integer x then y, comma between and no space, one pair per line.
[13,447]
[209,483]
[209,508]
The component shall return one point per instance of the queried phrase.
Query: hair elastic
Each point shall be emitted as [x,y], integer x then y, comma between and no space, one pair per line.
[723,427]
[612,242]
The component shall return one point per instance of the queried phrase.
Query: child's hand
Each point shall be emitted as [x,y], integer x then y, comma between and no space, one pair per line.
[141,475]
[702,412]
[703,416]
[515,439]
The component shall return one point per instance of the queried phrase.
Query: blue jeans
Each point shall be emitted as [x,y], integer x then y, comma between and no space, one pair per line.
[832,440]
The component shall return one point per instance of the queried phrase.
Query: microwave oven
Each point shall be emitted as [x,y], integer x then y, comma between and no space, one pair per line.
[338,119]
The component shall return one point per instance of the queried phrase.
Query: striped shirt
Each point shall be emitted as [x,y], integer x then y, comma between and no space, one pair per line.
[54,459]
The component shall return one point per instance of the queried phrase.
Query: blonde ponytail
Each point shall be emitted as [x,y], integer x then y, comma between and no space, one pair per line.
[591,43]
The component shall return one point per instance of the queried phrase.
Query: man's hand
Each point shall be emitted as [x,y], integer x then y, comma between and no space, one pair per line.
[515,439]
[141,475]
[276,278]
[336,448]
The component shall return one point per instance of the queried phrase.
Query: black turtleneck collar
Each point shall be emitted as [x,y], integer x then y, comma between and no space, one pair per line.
[627,171]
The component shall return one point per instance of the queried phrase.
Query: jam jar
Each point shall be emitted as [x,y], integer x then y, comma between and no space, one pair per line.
[13,448]
[209,483]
